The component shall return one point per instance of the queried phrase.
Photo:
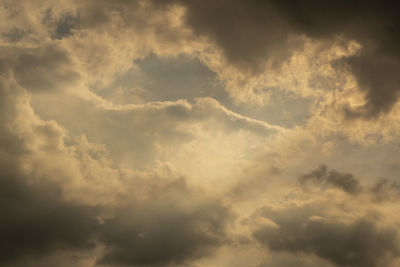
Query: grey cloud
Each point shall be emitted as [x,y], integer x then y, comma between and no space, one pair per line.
[62,26]
[163,222]
[46,68]
[375,26]
[162,233]
[14,35]
[321,227]
[251,33]
[284,259]
[385,189]
[36,221]
[170,225]
[254,33]
[173,226]
[361,243]
[321,175]
[378,76]
[39,69]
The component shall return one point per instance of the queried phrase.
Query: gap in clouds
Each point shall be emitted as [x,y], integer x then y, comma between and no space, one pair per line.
[185,77]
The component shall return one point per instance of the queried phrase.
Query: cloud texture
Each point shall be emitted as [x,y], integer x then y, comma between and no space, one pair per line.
[189,133]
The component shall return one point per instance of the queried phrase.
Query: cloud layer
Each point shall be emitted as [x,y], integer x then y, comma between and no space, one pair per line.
[186,133]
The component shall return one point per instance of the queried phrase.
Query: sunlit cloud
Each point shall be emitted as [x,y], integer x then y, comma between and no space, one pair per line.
[199,133]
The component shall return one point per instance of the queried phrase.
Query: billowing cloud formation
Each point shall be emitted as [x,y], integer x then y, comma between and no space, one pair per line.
[110,157]
[253,33]
[344,234]
[249,32]
[360,243]
[45,213]
[163,232]
[36,221]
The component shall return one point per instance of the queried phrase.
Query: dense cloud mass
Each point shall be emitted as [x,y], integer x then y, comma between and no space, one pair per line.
[359,243]
[188,133]
[36,221]
[160,234]
[253,33]
[322,226]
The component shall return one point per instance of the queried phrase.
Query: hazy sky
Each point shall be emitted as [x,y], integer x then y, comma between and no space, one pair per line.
[199,133]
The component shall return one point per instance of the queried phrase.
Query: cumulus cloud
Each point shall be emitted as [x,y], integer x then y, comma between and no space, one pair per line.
[37,221]
[344,230]
[40,219]
[188,176]
[163,232]
[359,243]
[44,215]
[251,33]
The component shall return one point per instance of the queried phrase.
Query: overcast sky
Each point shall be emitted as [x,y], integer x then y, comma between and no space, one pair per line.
[199,133]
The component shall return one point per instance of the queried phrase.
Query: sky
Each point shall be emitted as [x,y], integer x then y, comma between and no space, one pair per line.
[188,133]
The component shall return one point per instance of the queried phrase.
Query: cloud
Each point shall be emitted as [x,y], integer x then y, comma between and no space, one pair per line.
[163,124]
[164,231]
[359,243]
[45,210]
[50,191]
[87,182]
[386,189]
[378,77]
[253,34]
[249,33]
[283,259]
[41,69]
[37,221]
[344,181]
[351,229]
[371,24]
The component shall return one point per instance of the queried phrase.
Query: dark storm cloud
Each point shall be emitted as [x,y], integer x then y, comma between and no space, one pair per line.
[36,221]
[344,181]
[249,32]
[378,75]
[252,32]
[313,229]
[357,244]
[163,232]
[173,225]
[376,26]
